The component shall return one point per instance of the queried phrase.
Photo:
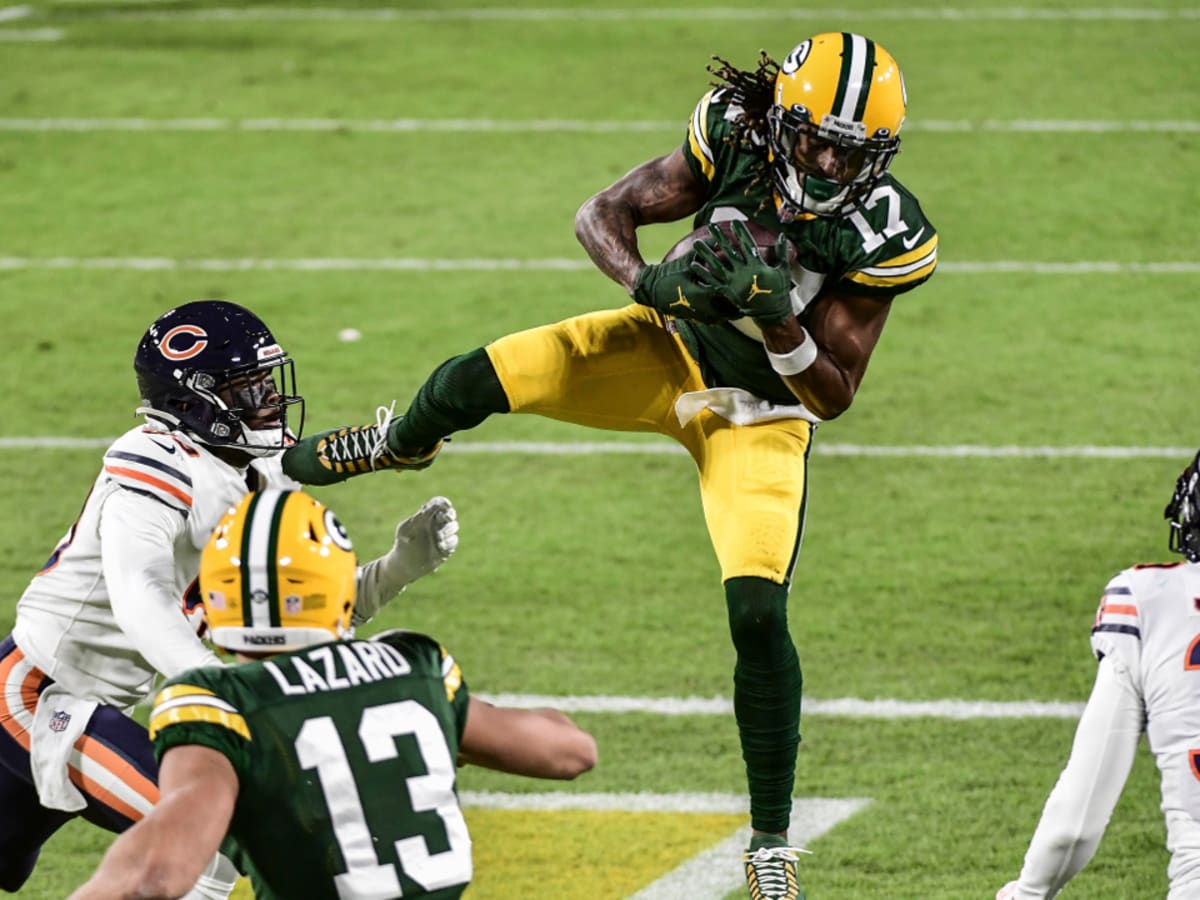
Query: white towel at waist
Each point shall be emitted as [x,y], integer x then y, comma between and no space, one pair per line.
[738,406]
[59,721]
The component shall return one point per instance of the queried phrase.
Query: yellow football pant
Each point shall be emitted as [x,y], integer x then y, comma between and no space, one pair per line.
[622,370]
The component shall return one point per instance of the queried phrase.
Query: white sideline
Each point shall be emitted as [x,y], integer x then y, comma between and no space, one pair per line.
[709,875]
[659,447]
[848,707]
[424,264]
[405,126]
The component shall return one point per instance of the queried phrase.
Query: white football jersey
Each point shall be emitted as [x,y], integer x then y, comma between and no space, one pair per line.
[1149,618]
[105,613]
[1147,637]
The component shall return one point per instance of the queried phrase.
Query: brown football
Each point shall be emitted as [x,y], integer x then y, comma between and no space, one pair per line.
[764,238]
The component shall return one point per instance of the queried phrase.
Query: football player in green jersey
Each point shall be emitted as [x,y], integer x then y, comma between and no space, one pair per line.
[329,762]
[735,352]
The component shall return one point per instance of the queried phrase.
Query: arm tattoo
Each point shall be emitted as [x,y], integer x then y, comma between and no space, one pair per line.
[662,190]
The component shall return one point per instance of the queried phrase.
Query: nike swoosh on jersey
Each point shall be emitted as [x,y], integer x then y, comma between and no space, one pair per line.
[170,448]
[910,243]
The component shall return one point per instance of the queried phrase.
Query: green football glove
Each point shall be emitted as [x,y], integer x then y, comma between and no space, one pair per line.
[737,269]
[671,288]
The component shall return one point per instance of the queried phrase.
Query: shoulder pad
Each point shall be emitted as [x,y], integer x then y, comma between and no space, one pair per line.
[1118,620]
[411,643]
[270,472]
[153,463]
[707,129]
[897,246]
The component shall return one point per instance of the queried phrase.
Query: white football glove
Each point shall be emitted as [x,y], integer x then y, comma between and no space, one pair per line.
[424,541]
[1007,891]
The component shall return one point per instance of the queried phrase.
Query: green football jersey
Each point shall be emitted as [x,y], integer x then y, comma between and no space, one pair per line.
[885,246]
[346,758]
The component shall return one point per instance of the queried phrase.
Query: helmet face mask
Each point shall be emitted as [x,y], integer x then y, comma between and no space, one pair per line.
[1183,513]
[278,573]
[833,128]
[213,369]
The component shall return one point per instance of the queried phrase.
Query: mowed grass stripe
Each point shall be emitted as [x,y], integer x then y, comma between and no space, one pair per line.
[945,15]
[532,126]
[424,264]
[656,448]
[30,35]
[849,707]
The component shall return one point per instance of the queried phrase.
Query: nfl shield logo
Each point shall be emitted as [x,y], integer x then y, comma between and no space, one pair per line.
[59,720]
[292,604]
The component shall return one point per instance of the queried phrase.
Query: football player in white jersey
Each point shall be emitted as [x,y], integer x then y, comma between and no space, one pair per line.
[116,603]
[1147,638]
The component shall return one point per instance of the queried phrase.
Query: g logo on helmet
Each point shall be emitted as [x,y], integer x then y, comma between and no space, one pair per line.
[796,58]
[337,532]
[167,346]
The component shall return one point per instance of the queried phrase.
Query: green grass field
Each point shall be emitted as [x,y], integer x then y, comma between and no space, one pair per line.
[413,173]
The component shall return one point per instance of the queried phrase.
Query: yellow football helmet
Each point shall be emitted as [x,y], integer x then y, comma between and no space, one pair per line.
[834,126]
[278,573]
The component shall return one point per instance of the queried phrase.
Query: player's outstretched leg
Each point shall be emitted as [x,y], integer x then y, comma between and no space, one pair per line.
[338,454]
[460,394]
[766,703]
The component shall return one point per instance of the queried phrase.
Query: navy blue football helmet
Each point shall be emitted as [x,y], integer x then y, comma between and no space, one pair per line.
[1183,513]
[210,368]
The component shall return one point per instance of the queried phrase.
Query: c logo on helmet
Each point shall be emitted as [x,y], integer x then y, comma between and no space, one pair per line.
[178,355]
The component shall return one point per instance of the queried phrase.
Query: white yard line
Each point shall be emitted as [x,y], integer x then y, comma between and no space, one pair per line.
[537,126]
[846,708]
[30,35]
[638,14]
[659,448]
[424,264]
[709,875]
[715,872]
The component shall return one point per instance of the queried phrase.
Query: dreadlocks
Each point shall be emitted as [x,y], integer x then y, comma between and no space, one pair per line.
[754,92]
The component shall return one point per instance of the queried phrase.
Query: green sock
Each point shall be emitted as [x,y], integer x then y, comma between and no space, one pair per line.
[766,697]
[459,394]
[758,841]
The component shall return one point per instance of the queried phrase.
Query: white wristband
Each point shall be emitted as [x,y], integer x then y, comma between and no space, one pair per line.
[795,361]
